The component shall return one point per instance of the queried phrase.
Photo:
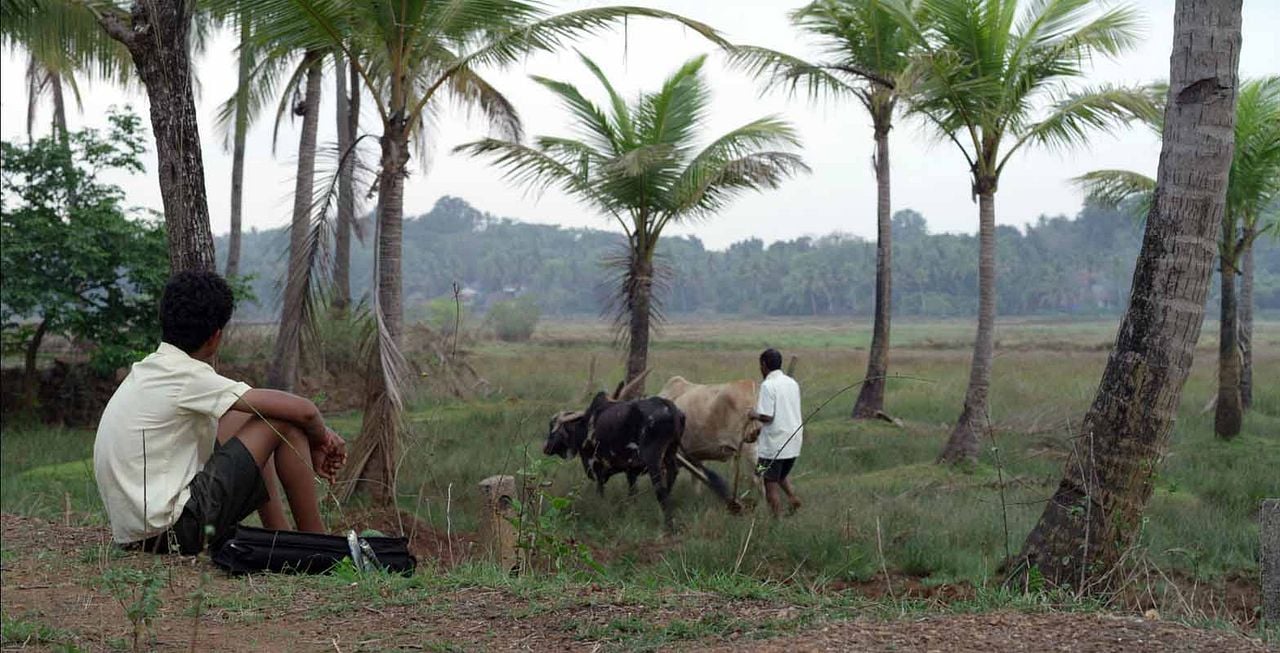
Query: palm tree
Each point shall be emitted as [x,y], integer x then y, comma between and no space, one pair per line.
[263,63]
[1254,182]
[240,121]
[984,70]
[348,118]
[409,56]
[283,371]
[638,164]
[867,58]
[1096,512]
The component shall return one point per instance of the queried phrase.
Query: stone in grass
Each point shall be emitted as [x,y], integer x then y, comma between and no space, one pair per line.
[497,533]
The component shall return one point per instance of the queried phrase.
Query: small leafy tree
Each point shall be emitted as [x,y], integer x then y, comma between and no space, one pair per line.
[514,320]
[76,261]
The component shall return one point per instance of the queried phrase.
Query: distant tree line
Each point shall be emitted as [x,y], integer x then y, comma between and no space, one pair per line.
[1057,265]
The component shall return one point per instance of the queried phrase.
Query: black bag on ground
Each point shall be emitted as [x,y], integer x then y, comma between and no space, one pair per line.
[258,549]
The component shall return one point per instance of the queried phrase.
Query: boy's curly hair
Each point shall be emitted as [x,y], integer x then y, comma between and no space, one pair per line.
[195,305]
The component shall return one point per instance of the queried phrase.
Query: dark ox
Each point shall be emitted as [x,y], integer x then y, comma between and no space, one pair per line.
[640,436]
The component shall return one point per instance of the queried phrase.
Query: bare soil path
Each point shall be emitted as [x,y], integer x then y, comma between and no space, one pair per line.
[52,596]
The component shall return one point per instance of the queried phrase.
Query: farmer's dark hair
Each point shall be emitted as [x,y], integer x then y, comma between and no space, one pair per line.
[771,359]
[195,304]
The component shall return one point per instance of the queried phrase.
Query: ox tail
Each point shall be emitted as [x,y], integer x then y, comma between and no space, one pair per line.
[710,478]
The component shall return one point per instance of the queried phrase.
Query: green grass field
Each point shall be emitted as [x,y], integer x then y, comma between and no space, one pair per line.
[874,500]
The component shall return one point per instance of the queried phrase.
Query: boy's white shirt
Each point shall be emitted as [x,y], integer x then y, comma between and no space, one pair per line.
[156,432]
[780,398]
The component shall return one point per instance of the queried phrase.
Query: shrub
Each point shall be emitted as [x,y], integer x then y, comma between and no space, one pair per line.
[441,314]
[342,338]
[514,320]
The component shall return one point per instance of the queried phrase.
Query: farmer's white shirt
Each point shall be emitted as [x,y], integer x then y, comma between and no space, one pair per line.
[157,431]
[780,397]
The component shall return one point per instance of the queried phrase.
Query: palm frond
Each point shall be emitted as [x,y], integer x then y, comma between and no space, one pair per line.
[263,87]
[860,37]
[65,37]
[1074,115]
[734,160]
[1254,182]
[471,90]
[590,120]
[640,161]
[711,188]
[1116,188]
[504,46]
[781,71]
[537,170]
[1068,26]
[624,128]
[673,114]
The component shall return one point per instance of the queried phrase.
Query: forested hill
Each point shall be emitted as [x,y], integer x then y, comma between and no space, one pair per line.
[1058,265]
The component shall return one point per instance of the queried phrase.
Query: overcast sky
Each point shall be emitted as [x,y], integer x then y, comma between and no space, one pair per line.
[839,196]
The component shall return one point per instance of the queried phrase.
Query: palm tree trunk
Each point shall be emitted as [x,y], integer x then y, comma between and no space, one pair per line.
[1097,509]
[373,457]
[871,395]
[1229,413]
[59,109]
[237,151]
[391,227]
[1246,329]
[61,132]
[283,373]
[155,32]
[962,446]
[348,113]
[639,306]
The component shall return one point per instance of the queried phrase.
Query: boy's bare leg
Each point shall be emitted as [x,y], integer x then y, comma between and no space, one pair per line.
[272,511]
[292,455]
[771,494]
[791,494]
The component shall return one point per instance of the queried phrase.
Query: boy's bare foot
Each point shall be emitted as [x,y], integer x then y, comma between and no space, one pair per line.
[795,506]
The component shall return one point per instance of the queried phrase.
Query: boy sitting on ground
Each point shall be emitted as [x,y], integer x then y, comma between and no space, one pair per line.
[183,454]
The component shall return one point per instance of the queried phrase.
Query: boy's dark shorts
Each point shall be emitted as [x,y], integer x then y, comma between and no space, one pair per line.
[228,489]
[774,470]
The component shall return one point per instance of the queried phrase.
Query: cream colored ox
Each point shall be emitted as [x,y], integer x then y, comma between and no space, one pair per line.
[716,422]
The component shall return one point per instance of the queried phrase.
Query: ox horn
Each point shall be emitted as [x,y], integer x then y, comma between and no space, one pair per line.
[624,390]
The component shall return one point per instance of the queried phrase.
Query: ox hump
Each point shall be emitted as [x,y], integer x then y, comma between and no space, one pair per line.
[674,387]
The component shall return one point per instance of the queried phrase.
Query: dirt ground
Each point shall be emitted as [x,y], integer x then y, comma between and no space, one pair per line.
[49,578]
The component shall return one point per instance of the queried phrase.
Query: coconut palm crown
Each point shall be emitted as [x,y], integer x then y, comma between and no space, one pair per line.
[865,56]
[640,164]
[992,77]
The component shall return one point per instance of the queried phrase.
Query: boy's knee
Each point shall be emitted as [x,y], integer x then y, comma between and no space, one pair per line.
[289,429]
[280,429]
